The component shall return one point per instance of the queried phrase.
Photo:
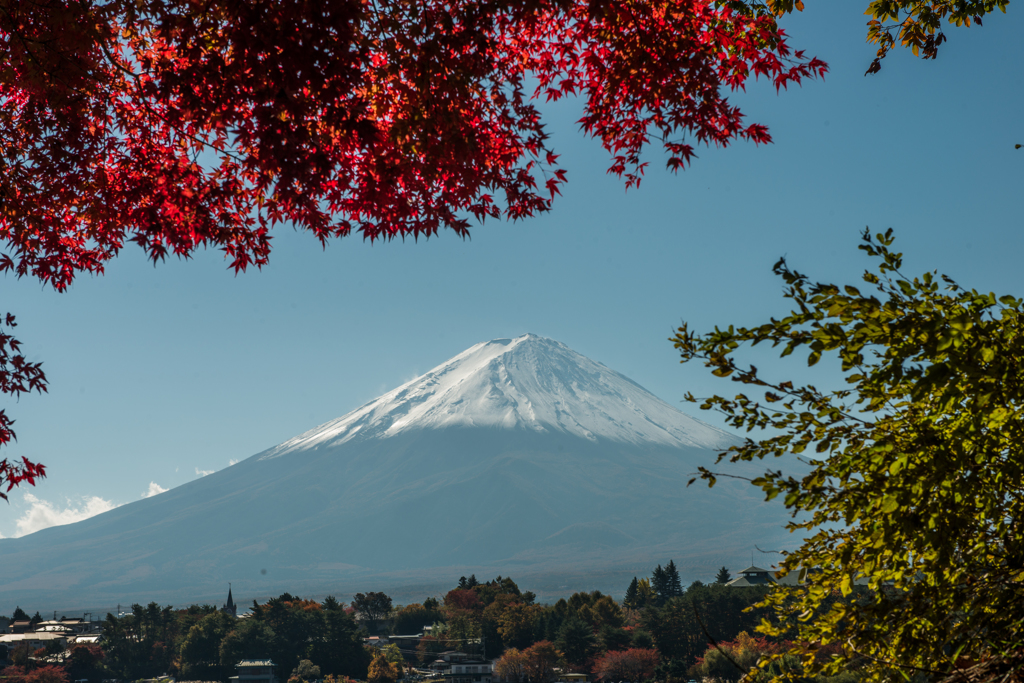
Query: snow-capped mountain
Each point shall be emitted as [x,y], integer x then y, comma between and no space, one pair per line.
[516,457]
[528,383]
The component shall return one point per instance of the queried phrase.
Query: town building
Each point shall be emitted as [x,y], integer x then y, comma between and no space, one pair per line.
[469,671]
[753,576]
[254,671]
[35,640]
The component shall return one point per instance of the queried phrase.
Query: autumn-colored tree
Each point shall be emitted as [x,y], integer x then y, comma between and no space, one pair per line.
[512,666]
[627,665]
[516,624]
[645,594]
[17,376]
[428,648]
[85,663]
[50,673]
[393,654]
[541,660]
[731,660]
[381,670]
[463,599]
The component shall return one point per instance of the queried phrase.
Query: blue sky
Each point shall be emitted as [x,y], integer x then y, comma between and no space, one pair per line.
[158,374]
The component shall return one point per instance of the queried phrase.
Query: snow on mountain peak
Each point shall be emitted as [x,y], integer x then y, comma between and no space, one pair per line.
[529,382]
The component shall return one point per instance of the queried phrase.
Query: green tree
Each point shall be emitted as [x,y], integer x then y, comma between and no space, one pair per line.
[723,576]
[412,618]
[252,639]
[613,638]
[673,585]
[85,663]
[200,650]
[140,644]
[642,640]
[629,600]
[659,582]
[337,645]
[298,626]
[682,625]
[19,615]
[373,607]
[576,641]
[916,480]
[305,671]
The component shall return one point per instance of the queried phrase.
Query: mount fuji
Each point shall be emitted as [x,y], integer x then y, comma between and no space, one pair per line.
[518,457]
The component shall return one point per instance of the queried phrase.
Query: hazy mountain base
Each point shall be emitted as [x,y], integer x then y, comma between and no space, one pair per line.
[405,514]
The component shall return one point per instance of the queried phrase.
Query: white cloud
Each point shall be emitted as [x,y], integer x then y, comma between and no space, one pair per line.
[154,489]
[43,514]
[203,473]
[233,461]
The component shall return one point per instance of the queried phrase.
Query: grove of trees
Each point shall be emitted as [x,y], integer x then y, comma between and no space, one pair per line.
[588,632]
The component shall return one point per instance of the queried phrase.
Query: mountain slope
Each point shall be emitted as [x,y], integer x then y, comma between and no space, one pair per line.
[516,456]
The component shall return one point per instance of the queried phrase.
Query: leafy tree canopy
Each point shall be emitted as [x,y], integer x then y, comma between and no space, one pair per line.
[917,474]
[373,606]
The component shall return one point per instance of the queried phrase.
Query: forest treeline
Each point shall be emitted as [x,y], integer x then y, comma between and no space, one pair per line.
[658,631]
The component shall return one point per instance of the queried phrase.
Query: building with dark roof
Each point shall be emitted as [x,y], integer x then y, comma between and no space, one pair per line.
[753,576]
[254,671]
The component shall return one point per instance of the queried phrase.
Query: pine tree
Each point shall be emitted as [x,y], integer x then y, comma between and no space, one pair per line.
[674,587]
[659,582]
[723,576]
[630,599]
[21,615]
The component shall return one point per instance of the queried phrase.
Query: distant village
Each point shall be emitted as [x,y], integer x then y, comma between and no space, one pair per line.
[478,632]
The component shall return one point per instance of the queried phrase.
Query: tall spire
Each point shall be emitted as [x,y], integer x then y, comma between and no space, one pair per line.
[229,607]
